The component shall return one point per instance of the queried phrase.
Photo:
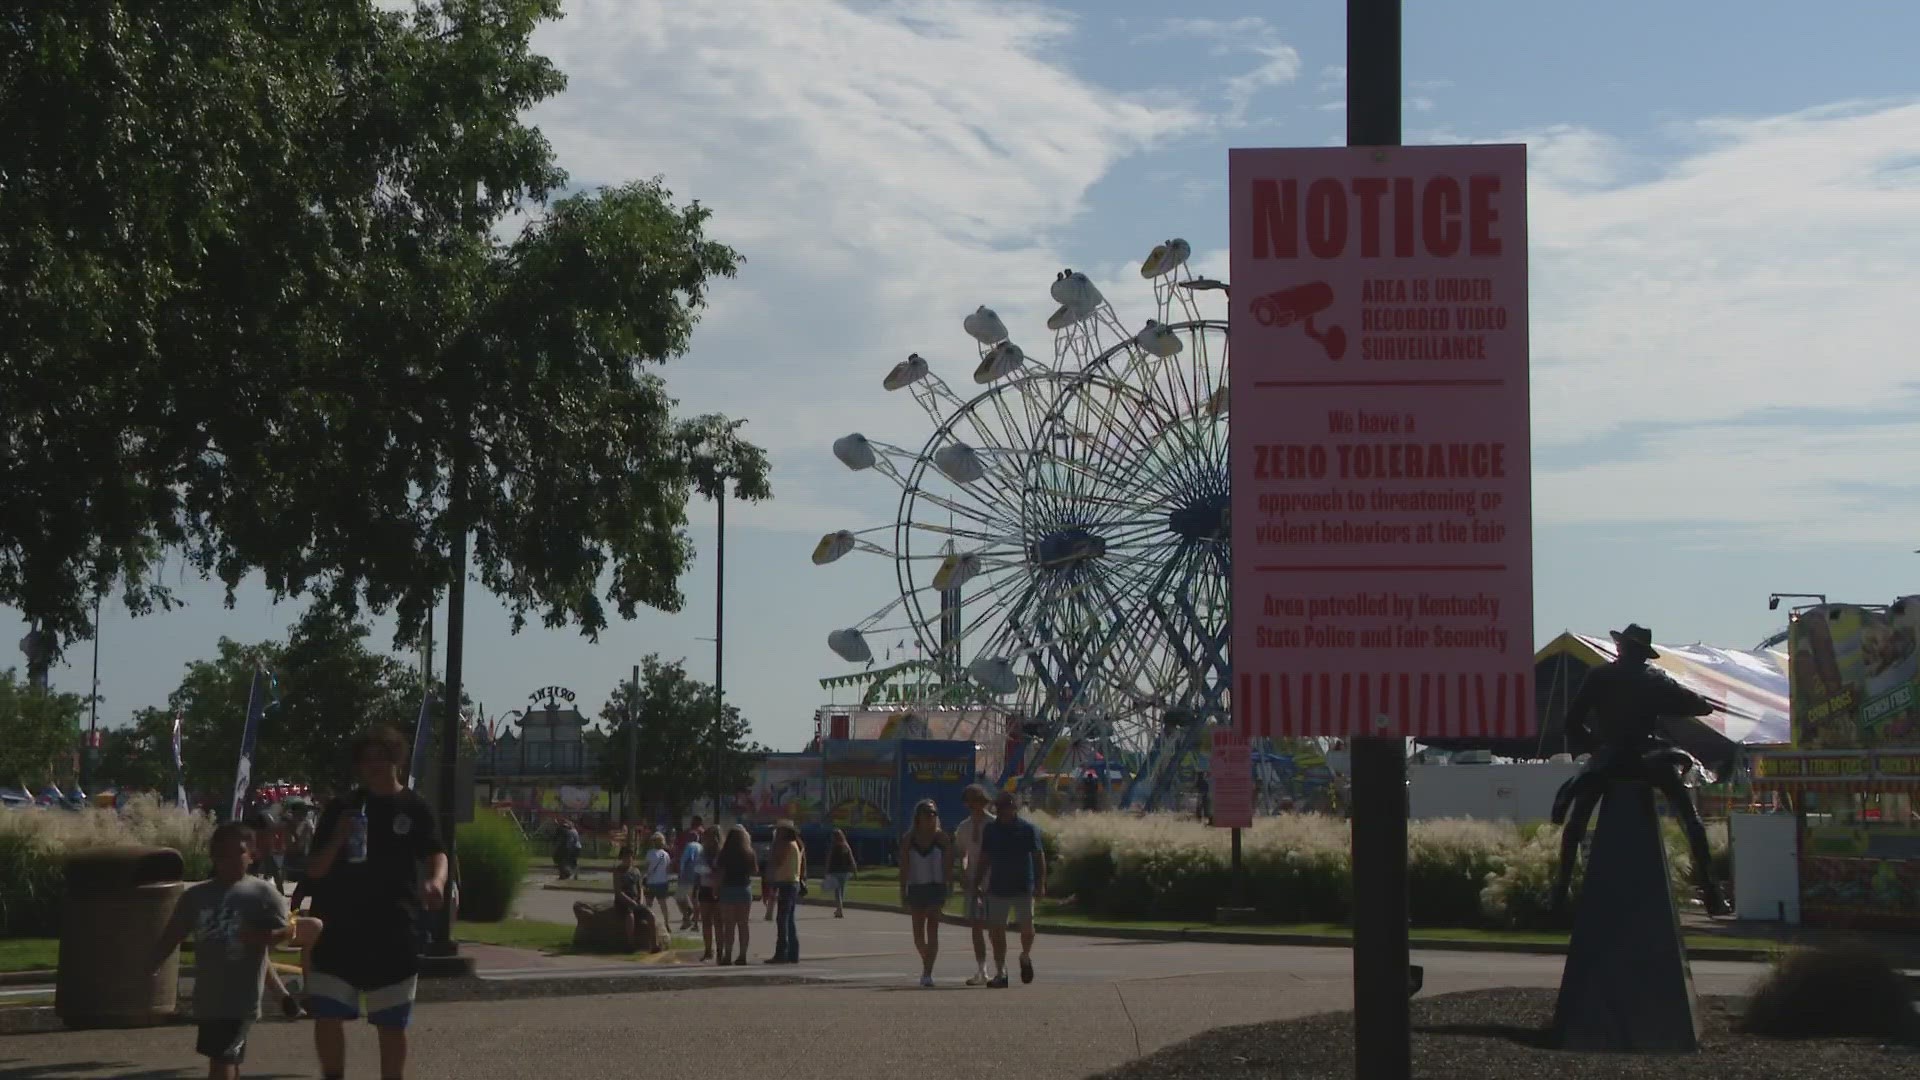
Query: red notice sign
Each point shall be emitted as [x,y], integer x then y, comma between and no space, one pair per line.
[1382,500]
[1231,768]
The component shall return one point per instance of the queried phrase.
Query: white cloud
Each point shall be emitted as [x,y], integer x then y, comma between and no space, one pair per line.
[1770,267]
[1276,62]
[884,169]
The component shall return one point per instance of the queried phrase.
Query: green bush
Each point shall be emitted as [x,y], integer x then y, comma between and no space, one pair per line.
[34,845]
[493,863]
[1449,864]
[1833,994]
[1461,873]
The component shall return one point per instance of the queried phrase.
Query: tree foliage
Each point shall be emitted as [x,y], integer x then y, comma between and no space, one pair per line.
[259,312]
[39,733]
[680,738]
[327,685]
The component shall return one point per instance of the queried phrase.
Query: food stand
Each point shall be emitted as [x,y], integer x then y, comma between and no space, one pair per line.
[1853,774]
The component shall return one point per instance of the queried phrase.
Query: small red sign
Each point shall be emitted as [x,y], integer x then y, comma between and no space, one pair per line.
[1231,766]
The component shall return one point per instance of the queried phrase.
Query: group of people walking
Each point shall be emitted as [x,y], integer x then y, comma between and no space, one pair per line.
[715,873]
[997,860]
[992,857]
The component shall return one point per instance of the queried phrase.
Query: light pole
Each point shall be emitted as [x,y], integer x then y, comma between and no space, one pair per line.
[719,706]
[1382,972]
[719,643]
[633,751]
[442,954]
[1773,599]
[93,705]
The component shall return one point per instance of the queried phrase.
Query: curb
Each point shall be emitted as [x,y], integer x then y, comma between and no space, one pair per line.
[42,1019]
[1326,941]
[49,977]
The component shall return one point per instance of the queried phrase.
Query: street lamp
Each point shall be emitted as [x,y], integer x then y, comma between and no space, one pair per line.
[1773,599]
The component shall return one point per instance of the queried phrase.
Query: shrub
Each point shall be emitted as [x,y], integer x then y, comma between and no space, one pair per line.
[1517,896]
[35,843]
[1833,993]
[1461,872]
[1449,863]
[493,863]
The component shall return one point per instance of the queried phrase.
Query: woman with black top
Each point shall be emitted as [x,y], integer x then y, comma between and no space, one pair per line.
[737,865]
[840,870]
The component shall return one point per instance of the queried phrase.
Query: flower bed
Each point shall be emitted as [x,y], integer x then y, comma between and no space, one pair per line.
[1461,873]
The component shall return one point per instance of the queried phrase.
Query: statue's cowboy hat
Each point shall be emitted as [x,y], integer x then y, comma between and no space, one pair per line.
[1637,638]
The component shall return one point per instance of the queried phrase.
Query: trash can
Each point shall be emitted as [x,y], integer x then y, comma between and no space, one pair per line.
[118,903]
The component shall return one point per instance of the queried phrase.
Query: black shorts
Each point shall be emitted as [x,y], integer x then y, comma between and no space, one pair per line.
[706,894]
[659,892]
[224,1040]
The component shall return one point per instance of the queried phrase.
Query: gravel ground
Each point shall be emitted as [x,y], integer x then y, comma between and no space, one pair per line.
[1503,1035]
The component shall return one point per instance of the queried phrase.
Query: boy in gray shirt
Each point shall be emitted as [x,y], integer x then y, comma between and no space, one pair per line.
[235,919]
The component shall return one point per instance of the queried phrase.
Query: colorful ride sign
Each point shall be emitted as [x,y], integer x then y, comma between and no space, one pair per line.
[1382,498]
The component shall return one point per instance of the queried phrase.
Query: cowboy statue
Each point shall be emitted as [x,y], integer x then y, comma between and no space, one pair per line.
[1631,698]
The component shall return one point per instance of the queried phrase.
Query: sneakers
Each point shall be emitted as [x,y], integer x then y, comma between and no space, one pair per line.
[926,981]
[839,914]
[978,978]
[1026,969]
[290,1007]
[998,982]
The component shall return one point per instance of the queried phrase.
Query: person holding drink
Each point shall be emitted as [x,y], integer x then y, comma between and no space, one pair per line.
[379,862]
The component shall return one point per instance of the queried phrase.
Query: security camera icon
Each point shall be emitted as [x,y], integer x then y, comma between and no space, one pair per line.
[1301,303]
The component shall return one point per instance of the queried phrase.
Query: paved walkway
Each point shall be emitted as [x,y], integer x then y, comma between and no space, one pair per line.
[1097,1003]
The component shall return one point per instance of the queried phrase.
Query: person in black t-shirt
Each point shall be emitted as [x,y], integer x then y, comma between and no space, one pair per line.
[378,861]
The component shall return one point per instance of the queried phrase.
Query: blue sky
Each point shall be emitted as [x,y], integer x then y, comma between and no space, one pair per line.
[1726,220]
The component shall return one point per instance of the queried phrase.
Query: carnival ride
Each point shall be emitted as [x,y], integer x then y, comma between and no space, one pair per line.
[1061,540]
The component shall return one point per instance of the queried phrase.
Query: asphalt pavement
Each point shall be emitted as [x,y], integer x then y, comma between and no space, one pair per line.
[1097,1003]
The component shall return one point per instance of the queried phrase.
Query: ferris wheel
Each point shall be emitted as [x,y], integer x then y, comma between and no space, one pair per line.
[1061,540]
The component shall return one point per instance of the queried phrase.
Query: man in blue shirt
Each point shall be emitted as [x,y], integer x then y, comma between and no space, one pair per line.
[1014,869]
[691,854]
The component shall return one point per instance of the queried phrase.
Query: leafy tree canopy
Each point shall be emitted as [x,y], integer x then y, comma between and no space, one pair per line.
[39,734]
[328,685]
[680,740]
[259,312]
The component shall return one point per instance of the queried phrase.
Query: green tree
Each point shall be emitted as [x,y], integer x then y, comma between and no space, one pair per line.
[39,734]
[258,313]
[679,739]
[326,686]
[138,757]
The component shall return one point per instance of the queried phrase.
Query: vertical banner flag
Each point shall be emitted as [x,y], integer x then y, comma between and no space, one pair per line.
[419,760]
[1382,484]
[1230,765]
[256,710]
[179,761]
